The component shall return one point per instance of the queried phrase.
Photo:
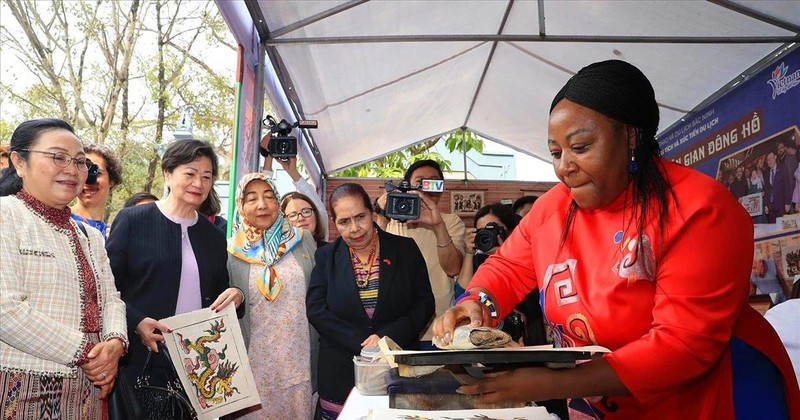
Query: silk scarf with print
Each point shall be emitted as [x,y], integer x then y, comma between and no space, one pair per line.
[258,246]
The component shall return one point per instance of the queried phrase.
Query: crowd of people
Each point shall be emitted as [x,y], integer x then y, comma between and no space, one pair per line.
[775,175]
[614,255]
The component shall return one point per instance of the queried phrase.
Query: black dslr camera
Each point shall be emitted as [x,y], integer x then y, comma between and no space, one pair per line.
[486,237]
[283,145]
[94,172]
[400,205]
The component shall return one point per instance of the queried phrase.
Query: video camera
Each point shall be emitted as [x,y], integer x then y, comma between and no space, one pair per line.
[282,145]
[486,237]
[403,206]
[400,205]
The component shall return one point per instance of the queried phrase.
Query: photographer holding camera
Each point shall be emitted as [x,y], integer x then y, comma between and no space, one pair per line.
[493,224]
[295,209]
[440,236]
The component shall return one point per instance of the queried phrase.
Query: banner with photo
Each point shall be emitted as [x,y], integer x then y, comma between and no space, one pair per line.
[748,140]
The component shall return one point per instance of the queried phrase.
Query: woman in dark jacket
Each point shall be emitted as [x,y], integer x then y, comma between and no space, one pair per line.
[166,258]
[365,285]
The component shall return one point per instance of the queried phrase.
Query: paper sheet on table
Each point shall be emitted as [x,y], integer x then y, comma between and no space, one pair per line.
[524,413]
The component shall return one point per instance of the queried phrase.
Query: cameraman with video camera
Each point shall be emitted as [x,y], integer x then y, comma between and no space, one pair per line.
[295,209]
[440,236]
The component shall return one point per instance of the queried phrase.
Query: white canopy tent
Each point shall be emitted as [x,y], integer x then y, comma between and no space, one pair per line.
[382,75]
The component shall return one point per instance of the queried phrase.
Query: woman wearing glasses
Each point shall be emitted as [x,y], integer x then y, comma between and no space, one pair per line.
[303,208]
[63,323]
[301,212]
[91,205]
[271,262]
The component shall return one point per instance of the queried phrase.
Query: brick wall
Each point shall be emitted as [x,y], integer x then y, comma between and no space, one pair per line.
[493,191]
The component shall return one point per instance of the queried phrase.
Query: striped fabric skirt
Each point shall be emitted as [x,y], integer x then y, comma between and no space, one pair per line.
[26,396]
[328,410]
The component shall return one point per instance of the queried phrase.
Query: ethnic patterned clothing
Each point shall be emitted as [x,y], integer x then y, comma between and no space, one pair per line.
[35,397]
[667,307]
[57,300]
[56,287]
[368,276]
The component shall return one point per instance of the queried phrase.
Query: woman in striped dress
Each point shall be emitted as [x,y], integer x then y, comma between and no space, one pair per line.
[365,285]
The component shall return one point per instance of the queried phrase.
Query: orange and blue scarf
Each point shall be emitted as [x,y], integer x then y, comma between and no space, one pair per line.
[259,246]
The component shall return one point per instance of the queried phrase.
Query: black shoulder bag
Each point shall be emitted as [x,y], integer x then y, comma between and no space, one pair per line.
[160,402]
[122,402]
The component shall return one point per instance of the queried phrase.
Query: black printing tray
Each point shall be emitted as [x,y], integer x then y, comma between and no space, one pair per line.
[494,356]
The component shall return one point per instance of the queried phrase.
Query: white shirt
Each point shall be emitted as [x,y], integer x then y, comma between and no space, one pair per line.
[785,318]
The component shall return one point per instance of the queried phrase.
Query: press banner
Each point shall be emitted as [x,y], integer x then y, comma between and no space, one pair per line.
[749,140]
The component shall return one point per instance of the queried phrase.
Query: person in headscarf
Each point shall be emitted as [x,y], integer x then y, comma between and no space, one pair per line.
[271,262]
[643,256]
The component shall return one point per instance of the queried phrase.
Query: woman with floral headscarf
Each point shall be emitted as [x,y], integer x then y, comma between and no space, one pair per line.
[271,262]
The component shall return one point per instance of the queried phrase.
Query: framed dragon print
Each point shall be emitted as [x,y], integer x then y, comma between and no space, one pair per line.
[209,355]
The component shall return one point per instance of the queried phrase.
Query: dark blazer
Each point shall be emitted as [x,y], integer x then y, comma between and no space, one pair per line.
[144,248]
[405,306]
[778,193]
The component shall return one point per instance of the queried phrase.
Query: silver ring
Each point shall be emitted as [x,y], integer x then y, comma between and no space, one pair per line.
[104,374]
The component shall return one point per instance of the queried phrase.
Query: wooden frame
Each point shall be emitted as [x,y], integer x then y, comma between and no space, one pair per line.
[466,202]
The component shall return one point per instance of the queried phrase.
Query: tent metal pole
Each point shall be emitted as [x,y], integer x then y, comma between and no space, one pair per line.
[258,18]
[488,62]
[316,18]
[755,14]
[541,18]
[464,149]
[538,38]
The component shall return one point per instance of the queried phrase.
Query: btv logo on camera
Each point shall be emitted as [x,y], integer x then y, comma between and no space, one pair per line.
[433,185]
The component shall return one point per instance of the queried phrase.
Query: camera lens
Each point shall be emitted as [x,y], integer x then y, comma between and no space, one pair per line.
[283,147]
[403,206]
[485,240]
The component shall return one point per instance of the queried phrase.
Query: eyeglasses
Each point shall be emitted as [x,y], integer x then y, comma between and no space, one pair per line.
[62,160]
[306,212]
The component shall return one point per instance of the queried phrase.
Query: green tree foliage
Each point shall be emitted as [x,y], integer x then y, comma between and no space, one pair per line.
[394,164]
[96,65]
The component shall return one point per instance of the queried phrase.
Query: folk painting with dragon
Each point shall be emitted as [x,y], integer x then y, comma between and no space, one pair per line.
[208,352]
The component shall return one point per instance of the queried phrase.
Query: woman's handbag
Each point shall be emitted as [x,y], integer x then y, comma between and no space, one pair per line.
[159,402]
[122,402]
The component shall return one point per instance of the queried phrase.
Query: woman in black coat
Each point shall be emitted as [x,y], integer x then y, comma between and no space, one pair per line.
[365,285]
[167,259]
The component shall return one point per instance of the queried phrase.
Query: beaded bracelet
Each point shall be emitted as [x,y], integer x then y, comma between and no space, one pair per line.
[482,298]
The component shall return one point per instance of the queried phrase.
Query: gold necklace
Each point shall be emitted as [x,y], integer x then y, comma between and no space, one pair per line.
[361,270]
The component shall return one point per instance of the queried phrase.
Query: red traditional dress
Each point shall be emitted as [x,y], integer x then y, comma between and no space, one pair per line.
[670,308]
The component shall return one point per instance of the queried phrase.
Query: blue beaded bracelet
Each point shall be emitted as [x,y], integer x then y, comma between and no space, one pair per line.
[483,299]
